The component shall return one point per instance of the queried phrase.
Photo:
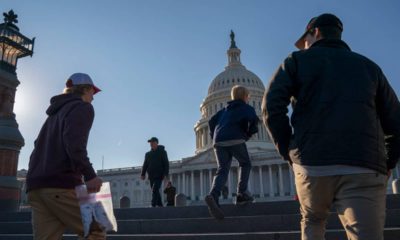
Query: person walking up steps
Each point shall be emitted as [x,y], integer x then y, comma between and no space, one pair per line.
[230,128]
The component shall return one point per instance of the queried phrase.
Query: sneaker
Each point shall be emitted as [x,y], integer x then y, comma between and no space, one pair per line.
[243,198]
[213,208]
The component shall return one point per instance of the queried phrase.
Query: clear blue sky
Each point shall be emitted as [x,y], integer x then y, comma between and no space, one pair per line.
[154,60]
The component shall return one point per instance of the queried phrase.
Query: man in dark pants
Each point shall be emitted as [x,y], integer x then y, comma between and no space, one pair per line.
[157,166]
[346,131]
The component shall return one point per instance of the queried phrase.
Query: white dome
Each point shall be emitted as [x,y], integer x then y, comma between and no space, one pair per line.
[235,75]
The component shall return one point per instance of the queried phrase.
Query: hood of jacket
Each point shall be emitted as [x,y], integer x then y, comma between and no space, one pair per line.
[159,148]
[59,101]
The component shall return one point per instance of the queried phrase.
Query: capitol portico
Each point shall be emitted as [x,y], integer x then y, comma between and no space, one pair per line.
[270,177]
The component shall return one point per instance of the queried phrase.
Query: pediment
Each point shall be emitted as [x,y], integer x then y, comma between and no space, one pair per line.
[201,158]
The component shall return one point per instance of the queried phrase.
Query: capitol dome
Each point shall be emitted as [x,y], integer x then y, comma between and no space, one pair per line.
[219,93]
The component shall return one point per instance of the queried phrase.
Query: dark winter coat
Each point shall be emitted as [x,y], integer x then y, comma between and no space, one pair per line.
[344,109]
[156,163]
[170,192]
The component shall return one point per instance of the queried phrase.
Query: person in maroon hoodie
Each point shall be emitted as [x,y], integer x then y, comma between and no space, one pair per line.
[59,162]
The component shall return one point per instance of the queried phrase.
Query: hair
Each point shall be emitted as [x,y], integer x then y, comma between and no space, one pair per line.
[239,92]
[77,89]
[330,32]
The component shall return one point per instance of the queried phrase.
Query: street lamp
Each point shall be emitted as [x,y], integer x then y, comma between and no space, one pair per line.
[13,45]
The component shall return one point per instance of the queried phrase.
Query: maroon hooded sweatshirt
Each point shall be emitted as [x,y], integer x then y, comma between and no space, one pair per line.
[59,158]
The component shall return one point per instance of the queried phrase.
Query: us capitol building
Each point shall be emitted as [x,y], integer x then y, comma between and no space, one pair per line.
[270,178]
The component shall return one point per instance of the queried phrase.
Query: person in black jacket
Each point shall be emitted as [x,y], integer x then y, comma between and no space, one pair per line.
[59,162]
[344,136]
[170,191]
[230,128]
[157,167]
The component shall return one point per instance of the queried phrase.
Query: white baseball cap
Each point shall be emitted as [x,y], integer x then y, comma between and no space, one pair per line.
[80,79]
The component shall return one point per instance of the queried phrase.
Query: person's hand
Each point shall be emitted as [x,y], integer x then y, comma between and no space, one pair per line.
[142,177]
[94,185]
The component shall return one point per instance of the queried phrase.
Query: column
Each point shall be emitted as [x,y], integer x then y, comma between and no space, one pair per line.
[238,176]
[184,184]
[209,137]
[206,136]
[143,193]
[192,186]
[210,179]
[250,183]
[261,181]
[203,138]
[281,193]
[197,139]
[177,183]
[291,182]
[200,138]
[201,185]
[230,184]
[271,188]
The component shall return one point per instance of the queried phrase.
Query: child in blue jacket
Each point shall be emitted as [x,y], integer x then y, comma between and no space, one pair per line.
[230,128]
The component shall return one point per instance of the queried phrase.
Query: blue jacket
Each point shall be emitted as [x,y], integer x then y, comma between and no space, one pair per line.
[237,120]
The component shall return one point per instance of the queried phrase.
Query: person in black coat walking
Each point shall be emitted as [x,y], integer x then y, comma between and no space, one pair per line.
[156,166]
[344,135]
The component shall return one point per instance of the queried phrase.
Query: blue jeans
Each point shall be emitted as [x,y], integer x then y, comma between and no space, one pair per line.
[155,185]
[224,159]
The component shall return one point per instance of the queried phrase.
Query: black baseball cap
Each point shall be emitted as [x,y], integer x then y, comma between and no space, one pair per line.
[153,139]
[326,19]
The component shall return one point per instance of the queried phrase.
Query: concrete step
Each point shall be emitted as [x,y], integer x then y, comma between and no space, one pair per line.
[332,234]
[238,224]
[264,208]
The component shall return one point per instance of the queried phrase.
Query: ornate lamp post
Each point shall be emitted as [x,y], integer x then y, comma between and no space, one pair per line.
[13,45]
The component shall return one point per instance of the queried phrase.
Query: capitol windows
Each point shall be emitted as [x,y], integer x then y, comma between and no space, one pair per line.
[233,80]
[126,184]
[227,81]
[220,106]
[243,80]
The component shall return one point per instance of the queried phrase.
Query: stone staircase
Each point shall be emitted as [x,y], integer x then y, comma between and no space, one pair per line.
[267,220]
